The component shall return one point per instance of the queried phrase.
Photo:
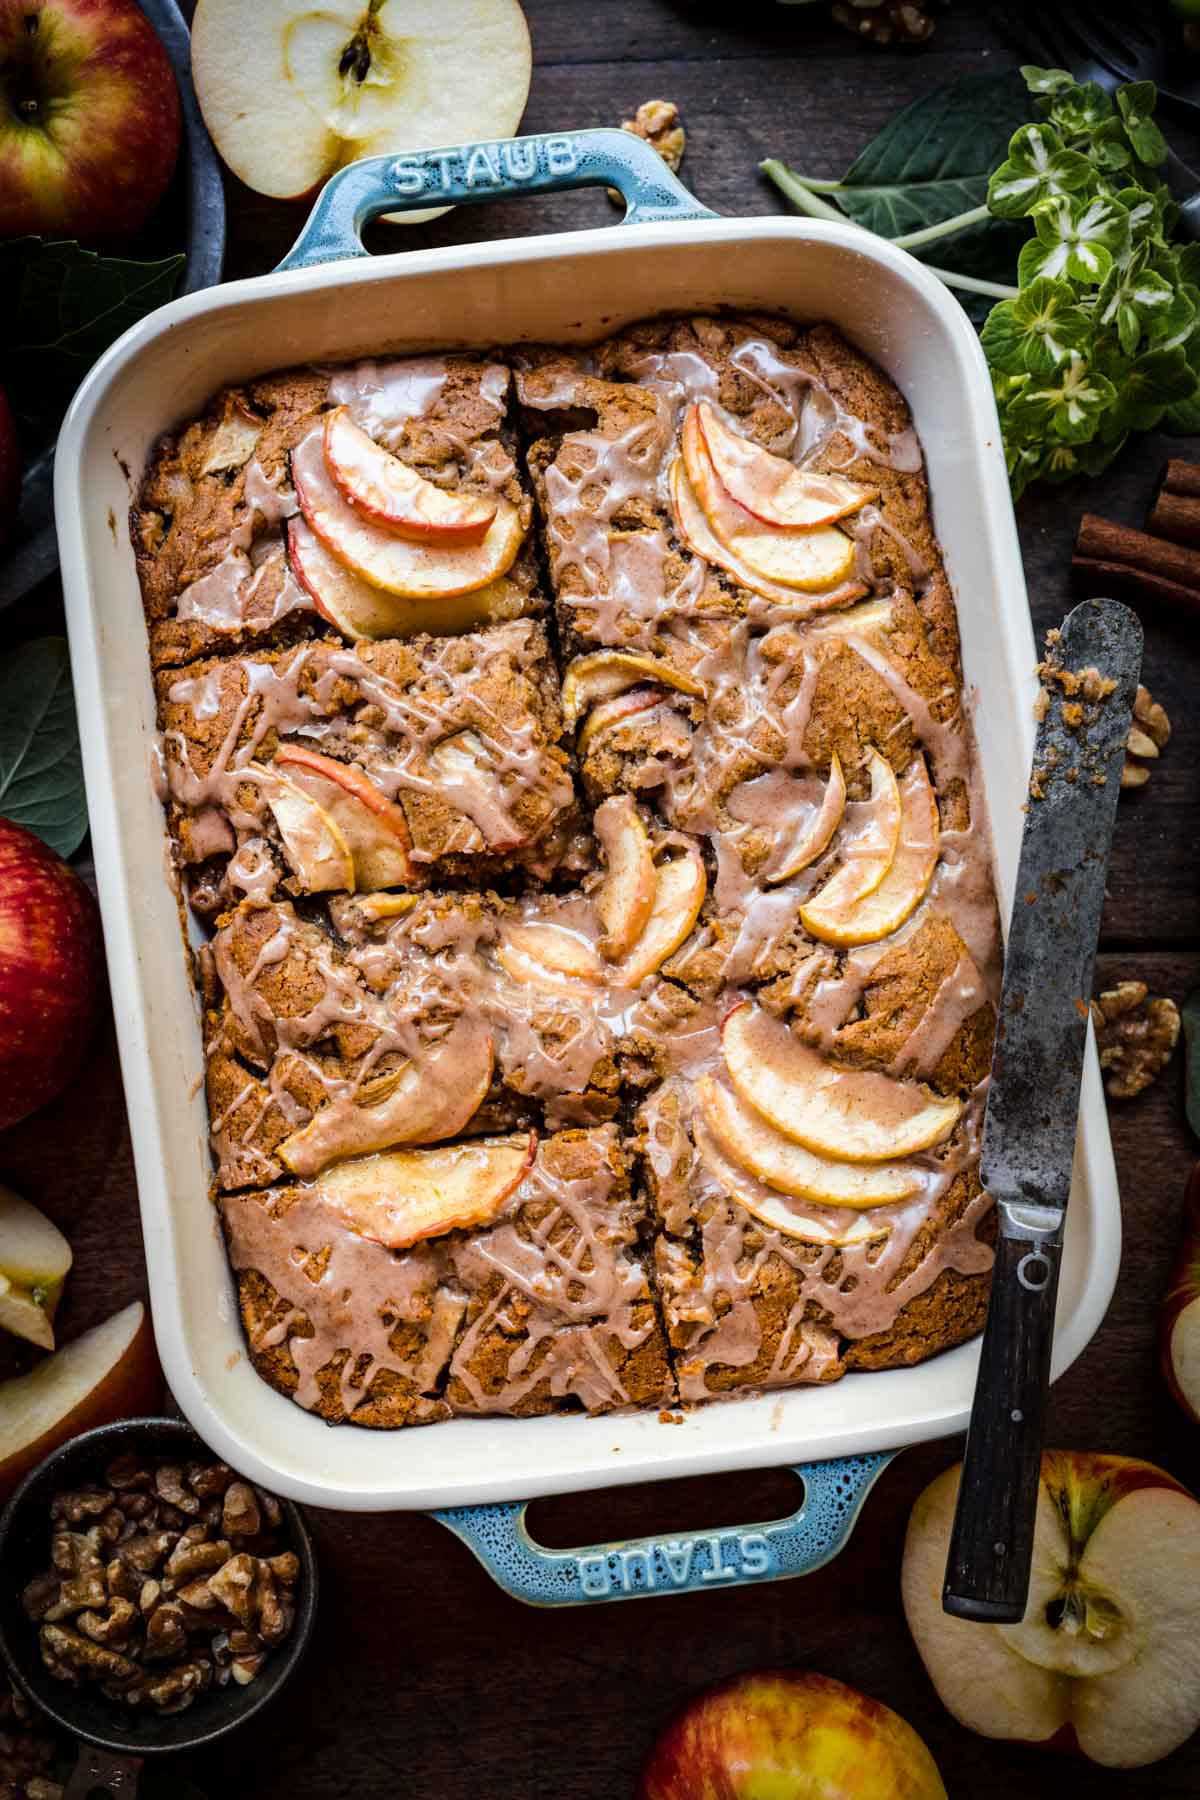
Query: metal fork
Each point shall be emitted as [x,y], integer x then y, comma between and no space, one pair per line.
[1084,39]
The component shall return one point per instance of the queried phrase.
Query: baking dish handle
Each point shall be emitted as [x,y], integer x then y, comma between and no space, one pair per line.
[464,174]
[735,1556]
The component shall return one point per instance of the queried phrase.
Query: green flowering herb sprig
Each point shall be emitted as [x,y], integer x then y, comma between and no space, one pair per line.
[1101,336]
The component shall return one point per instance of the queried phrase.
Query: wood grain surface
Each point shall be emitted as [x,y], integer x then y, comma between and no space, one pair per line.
[425,1681]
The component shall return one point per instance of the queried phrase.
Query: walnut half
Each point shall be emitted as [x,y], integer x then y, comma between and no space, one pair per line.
[1149,733]
[1136,1035]
[659,123]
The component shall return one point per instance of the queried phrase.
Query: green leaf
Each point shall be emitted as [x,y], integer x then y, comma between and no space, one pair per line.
[1037,168]
[1190,1014]
[41,773]
[932,161]
[1046,81]
[1037,331]
[1130,301]
[1079,111]
[1076,238]
[1070,407]
[1136,102]
[1183,418]
[1145,387]
[65,306]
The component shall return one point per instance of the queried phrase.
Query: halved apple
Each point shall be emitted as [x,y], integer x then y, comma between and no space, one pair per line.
[680,886]
[384,489]
[315,847]
[835,921]
[810,560]
[372,827]
[605,673]
[851,1115]
[34,1260]
[398,566]
[541,953]
[110,1372]
[867,852]
[402,1196]
[770,487]
[787,1166]
[432,1099]
[817,839]
[700,537]
[625,898]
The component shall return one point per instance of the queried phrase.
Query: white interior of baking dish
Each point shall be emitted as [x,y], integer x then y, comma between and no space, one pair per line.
[570,289]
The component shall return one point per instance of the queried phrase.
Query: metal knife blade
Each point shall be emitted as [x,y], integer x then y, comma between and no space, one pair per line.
[1041,1029]
[1089,680]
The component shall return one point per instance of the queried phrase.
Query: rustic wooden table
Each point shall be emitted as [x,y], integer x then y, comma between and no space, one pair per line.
[425,1680]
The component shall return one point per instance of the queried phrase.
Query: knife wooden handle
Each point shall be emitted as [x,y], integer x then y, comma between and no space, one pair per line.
[991,1545]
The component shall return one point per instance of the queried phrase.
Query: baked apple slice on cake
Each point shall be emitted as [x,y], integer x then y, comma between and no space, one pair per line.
[850,1115]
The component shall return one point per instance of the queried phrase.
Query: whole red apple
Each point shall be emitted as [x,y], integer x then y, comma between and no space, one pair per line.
[788,1732]
[50,965]
[1180,1315]
[89,118]
[10,470]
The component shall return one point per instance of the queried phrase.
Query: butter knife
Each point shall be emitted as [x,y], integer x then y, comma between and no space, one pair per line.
[1090,678]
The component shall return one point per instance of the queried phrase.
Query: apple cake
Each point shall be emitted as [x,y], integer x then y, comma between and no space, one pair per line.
[565,753]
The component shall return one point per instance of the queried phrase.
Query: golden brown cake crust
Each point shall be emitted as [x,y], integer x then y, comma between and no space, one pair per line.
[639,1262]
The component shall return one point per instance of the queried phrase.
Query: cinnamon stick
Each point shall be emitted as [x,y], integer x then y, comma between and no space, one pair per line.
[1175,510]
[1119,581]
[1103,540]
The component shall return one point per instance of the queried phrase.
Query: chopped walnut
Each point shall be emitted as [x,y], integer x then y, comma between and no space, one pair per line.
[885,21]
[1150,733]
[1136,1036]
[659,123]
[147,1595]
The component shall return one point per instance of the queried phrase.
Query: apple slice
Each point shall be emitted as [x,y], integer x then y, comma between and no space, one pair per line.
[810,560]
[1107,1658]
[867,849]
[834,920]
[372,827]
[434,1098]
[415,571]
[291,91]
[852,1115]
[603,674]
[110,1372]
[772,488]
[680,886]
[374,907]
[317,851]
[606,715]
[541,953]
[473,785]
[1179,1314]
[386,490]
[625,898]
[34,1260]
[870,619]
[402,1196]
[702,540]
[775,1211]
[789,1167]
[358,610]
[817,839]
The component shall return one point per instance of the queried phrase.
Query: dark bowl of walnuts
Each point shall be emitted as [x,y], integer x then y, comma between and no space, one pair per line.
[152,1599]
